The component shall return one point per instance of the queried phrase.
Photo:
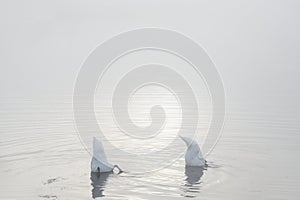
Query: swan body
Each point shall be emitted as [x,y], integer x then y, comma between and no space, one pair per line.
[99,161]
[193,155]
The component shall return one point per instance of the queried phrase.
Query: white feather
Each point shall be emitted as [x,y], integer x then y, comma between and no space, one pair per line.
[193,155]
[99,158]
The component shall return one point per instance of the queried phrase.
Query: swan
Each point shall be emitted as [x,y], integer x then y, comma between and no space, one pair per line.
[99,161]
[193,155]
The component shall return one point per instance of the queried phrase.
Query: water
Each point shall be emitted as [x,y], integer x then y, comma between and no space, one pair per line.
[255,47]
[41,157]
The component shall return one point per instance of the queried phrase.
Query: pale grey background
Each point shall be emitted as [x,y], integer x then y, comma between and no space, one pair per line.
[254,44]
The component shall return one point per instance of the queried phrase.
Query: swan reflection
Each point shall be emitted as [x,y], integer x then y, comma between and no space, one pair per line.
[192,181]
[194,174]
[98,183]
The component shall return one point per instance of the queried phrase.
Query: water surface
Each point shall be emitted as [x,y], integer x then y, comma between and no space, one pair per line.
[41,157]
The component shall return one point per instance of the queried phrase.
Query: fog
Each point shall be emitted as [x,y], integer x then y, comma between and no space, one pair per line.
[254,45]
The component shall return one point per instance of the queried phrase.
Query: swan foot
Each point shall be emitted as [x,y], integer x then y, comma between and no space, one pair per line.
[120,170]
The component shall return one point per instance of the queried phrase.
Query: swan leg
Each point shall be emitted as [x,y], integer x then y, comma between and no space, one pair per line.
[98,171]
[206,165]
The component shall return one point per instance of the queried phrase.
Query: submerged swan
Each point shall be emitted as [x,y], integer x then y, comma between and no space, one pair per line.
[193,155]
[99,161]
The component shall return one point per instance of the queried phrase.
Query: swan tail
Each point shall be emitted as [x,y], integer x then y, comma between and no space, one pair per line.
[98,150]
[186,140]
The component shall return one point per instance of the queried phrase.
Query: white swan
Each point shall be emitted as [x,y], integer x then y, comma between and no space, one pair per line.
[99,161]
[193,155]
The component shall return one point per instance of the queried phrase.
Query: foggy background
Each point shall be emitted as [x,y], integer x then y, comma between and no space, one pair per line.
[254,45]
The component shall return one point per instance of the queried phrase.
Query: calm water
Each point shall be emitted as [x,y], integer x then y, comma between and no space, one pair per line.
[255,46]
[41,157]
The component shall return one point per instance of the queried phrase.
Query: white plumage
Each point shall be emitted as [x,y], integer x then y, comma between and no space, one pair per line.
[99,161]
[193,155]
